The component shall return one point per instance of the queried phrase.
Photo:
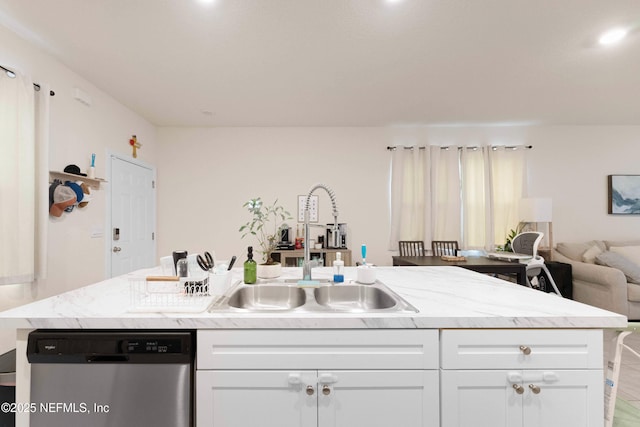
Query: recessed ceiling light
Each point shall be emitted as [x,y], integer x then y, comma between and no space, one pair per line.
[613,36]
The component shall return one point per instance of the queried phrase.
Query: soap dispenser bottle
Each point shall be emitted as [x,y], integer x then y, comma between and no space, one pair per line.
[250,268]
[338,269]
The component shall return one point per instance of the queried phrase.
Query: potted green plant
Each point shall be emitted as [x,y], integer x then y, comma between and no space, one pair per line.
[509,237]
[265,224]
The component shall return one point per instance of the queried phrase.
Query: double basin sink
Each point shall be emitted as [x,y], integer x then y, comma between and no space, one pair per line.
[279,296]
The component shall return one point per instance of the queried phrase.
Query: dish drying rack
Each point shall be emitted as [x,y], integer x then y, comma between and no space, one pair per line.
[153,294]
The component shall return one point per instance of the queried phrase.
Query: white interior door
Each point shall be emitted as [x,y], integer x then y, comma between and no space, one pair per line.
[132,232]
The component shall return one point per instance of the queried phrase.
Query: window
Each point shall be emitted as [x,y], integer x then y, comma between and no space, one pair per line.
[468,194]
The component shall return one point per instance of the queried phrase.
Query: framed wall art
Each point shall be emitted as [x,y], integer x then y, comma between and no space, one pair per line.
[624,194]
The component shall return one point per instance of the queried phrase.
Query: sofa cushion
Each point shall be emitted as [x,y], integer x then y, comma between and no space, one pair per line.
[575,251]
[633,292]
[611,259]
[590,255]
[610,243]
[630,252]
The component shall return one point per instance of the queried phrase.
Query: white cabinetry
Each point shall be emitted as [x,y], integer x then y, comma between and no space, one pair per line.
[514,378]
[317,378]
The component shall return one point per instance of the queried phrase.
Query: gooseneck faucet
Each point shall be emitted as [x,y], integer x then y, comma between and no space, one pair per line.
[308,264]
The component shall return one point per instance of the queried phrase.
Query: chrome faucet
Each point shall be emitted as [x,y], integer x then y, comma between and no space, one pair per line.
[308,264]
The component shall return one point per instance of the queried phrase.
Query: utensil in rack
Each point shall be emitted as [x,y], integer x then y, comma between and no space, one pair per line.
[233,260]
[206,263]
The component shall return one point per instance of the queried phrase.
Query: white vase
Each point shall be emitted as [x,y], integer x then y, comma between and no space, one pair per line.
[269,271]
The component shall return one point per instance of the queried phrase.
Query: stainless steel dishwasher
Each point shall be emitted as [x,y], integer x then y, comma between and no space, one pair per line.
[111,378]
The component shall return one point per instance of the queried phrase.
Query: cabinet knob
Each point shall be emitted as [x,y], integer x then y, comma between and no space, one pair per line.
[326,390]
[116,249]
[518,388]
[534,388]
[525,349]
[310,390]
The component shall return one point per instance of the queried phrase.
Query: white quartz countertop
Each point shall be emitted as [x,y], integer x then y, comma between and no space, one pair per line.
[446,297]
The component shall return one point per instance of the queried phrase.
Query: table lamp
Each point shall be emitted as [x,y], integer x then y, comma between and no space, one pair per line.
[535,210]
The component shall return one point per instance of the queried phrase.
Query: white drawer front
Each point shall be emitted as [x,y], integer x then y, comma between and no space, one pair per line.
[318,349]
[521,348]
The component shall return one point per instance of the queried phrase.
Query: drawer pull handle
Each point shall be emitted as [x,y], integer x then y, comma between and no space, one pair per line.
[326,390]
[534,388]
[526,350]
[310,390]
[518,388]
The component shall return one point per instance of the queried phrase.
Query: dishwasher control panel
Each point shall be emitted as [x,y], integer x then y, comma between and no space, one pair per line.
[152,346]
[62,346]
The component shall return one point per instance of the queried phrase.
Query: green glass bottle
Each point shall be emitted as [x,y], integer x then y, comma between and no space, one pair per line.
[250,268]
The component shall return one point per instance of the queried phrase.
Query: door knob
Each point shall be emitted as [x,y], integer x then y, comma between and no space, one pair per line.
[310,390]
[117,249]
[518,388]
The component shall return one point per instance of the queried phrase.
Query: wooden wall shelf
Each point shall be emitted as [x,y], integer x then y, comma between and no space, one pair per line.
[63,176]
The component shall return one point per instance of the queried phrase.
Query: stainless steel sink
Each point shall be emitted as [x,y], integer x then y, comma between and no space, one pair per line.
[354,297]
[281,296]
[268,297]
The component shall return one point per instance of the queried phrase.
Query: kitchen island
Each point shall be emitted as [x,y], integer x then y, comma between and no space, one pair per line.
[477,343]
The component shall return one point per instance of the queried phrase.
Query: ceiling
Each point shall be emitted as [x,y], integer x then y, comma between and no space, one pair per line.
[347,62]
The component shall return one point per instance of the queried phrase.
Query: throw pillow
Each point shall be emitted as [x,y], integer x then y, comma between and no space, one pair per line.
[628,267]
[590,255]
[630,252]
[573,251]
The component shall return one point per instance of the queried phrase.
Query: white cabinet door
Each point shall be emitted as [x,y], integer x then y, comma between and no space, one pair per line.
[378,398]
[567,398]
[530,398]
[254,398]
[479,399]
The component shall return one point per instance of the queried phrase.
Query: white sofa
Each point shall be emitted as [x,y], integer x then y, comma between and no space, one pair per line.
[606,274]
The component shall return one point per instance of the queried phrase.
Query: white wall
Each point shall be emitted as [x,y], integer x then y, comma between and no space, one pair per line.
[570,164]
[205,175]
[74,258]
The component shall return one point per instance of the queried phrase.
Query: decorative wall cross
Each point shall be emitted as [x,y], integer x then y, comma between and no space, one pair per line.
[133,142]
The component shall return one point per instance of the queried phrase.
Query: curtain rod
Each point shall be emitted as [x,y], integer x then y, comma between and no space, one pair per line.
[446,147]
[36,86]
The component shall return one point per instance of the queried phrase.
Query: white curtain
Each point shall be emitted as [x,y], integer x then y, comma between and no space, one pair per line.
[477,230]
[409,196]
[507,168]
[445,196]
[17,179]
[42,180]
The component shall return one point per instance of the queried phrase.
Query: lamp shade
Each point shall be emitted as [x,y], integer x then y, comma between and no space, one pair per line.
[535,210]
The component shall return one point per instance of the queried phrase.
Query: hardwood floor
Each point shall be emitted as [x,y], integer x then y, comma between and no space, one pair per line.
[629,382]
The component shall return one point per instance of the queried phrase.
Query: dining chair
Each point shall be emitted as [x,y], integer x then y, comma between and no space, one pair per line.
[444,247]
[411,248]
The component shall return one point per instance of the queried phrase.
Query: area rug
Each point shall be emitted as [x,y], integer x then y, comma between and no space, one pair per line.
[626,415]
